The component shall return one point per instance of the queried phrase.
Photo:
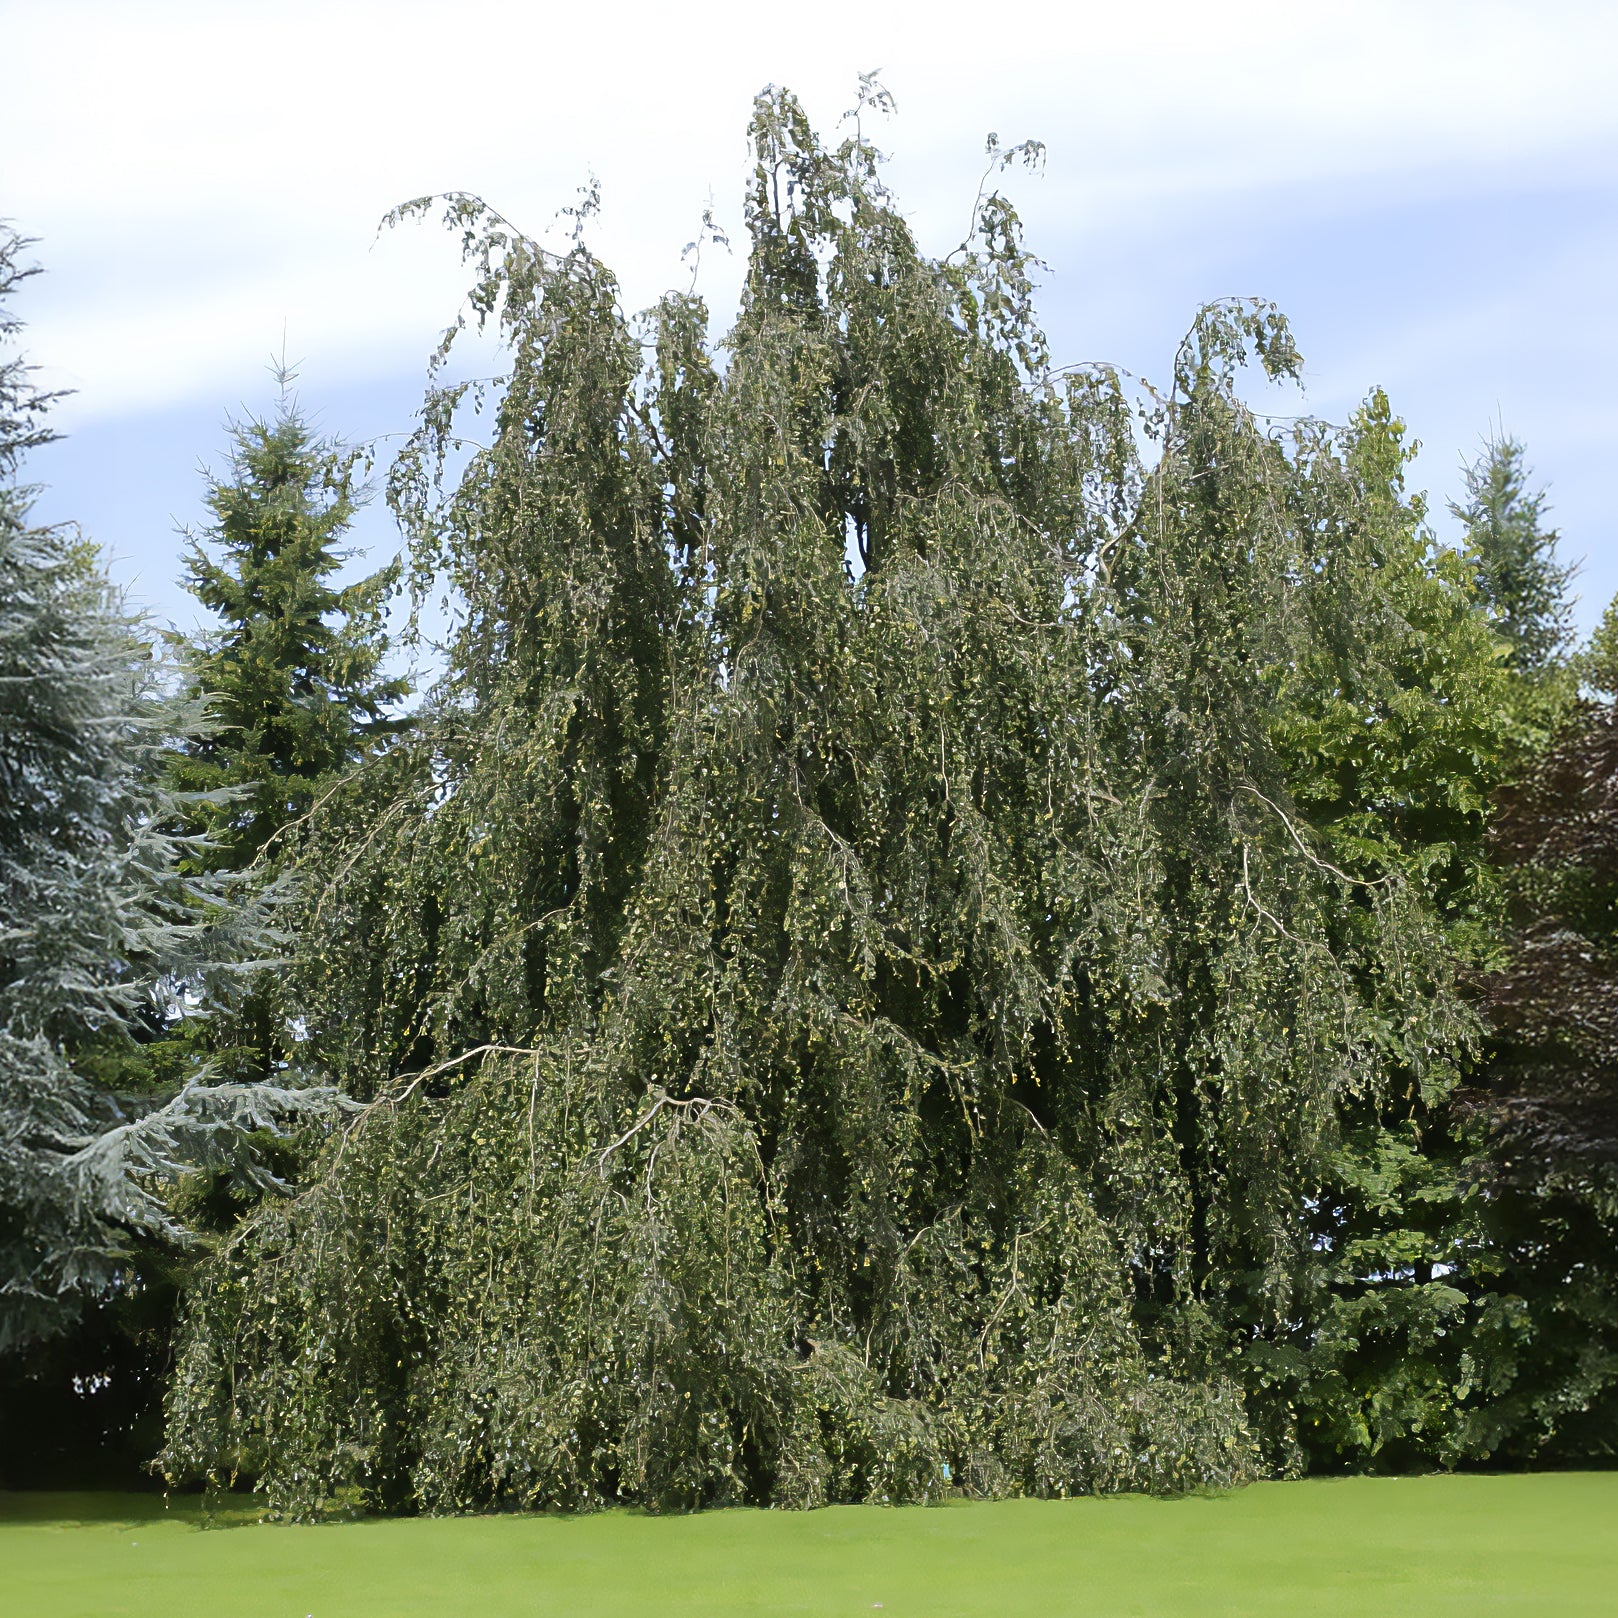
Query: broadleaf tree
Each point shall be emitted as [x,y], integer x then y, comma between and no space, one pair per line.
[1549,1096]
[860,979]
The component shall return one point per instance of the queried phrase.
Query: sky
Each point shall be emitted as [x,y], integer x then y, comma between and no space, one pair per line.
[1429,190]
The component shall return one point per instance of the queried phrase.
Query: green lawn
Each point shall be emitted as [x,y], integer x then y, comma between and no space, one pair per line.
[1545,1545]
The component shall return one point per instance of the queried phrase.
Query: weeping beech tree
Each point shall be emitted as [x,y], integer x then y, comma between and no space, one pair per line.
[847,1000]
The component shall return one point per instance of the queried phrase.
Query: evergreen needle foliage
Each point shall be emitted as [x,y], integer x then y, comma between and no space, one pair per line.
[103,935]
[1519,576]
[293,673]
[863,974]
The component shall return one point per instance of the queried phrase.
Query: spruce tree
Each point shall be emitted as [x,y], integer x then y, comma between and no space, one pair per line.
[1514,556]
[292,674]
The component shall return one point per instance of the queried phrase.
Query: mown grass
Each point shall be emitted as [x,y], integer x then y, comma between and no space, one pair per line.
[1540,1545]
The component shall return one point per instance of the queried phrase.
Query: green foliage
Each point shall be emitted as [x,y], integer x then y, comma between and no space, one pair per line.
[865,963]
[1597,664]
[634,1332]
[102,933]
[292,675]
[1395,731]
[291,686]
[1545,1351]
[1513,556]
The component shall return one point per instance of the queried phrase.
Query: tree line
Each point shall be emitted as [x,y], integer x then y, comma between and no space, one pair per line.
[949,923]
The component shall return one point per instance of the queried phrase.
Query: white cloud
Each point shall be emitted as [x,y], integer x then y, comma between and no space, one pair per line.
[1410,177]
[203,175]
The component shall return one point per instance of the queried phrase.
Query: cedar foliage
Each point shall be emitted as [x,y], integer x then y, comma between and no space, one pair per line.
[859,975]
[103,934]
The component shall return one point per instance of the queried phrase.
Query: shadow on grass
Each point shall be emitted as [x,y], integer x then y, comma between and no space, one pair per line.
[45,1508]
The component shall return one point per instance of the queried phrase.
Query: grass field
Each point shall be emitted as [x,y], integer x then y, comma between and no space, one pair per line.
[1545,1545]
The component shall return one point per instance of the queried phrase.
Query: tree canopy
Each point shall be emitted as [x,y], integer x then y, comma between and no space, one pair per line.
[1519,577]
[862,971]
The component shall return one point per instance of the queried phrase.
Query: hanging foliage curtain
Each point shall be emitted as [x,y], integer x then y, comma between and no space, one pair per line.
[853,976]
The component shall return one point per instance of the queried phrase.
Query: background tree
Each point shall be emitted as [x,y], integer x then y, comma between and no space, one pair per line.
[1395,734]
[1550,1098]
[103,934]
[293,671]
[1519,577]
[1556,1066]
[291,674]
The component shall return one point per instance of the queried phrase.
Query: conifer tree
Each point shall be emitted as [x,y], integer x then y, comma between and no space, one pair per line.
[1514,555]
[292,673]
[103,935]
